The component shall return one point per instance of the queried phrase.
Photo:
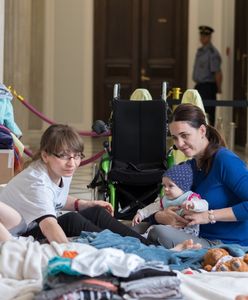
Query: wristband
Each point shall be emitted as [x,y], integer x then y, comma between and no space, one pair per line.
[76,204]
[211,217]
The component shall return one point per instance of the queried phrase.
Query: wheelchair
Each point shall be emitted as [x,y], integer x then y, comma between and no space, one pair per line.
[130,171]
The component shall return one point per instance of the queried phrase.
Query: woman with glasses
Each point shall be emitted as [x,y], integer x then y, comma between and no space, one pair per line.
[41,191]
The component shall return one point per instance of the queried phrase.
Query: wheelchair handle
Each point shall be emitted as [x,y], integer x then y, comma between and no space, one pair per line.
[116,92]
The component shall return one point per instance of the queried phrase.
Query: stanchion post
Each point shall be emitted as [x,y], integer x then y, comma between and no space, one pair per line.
[232,136]
[219,125]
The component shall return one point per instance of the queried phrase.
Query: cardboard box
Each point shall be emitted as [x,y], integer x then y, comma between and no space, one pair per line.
[6,165]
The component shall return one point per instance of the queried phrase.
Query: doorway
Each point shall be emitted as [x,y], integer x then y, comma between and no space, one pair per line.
[240,70]
[139,44]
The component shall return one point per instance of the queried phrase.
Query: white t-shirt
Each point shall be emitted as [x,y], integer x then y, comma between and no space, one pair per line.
[33,194]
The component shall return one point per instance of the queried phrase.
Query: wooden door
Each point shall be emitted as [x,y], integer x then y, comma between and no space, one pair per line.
[139,44]
[163,50]
[240,70]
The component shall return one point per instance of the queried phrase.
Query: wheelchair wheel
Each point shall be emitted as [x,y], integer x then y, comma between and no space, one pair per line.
[99,192]
[100,195]
[93,190]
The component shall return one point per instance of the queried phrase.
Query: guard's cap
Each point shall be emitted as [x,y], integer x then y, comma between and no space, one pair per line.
[205,30]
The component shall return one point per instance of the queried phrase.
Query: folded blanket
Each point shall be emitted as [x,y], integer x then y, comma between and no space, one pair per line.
[176,260]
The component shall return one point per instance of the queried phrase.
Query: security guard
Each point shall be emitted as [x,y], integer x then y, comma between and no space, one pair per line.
[207,70]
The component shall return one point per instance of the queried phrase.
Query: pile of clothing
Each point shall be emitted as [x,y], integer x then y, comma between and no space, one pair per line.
[107,274]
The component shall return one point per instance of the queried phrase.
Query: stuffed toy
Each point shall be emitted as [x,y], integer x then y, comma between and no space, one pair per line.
[218,260]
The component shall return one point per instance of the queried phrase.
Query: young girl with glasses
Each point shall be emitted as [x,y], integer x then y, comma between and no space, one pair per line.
[41,191]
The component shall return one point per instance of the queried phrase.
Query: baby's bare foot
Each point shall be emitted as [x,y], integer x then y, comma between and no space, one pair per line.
[188,244]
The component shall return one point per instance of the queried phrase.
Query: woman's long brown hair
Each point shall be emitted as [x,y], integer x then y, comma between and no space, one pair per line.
[195,117]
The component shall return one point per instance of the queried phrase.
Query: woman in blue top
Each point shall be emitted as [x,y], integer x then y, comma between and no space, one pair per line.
[219,176]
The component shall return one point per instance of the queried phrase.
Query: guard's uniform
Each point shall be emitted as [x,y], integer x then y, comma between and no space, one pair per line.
[207,63]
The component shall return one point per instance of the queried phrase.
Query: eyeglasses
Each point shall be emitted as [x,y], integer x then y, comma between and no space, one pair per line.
[64,156]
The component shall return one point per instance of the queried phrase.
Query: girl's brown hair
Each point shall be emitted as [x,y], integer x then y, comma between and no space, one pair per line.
[59,138]
[195,117]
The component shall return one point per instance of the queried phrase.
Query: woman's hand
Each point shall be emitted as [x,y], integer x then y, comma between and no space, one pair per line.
[168,216]
[196,218]
[83,204]
[105,205]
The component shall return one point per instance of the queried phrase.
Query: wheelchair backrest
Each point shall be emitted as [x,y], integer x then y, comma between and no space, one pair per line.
[139,131]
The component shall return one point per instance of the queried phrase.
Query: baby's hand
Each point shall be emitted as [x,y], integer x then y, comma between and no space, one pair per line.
[136,219]
[188,205]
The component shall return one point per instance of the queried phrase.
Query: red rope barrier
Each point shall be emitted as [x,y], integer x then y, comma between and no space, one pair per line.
[27,152]
[49,121]
[92,158]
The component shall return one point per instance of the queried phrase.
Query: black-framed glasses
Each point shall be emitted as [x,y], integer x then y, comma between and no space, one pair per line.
[65,156]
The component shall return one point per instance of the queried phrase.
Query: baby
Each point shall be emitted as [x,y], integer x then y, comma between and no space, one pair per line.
[177,182]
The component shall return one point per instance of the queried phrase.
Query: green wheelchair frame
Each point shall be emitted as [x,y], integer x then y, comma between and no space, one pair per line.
[103,189]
